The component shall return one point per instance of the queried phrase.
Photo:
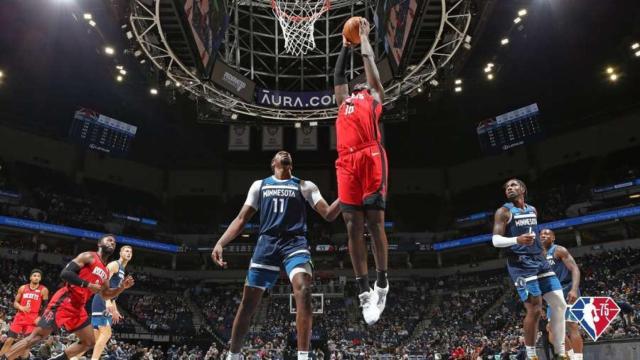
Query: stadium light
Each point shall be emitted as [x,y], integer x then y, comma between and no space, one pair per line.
[234,116]
[297,125]
[638,53]
[119,67]
[87,16]
[153,91]
[178,84]
[313,123]
[635,46]
[458,81]
[522,12]
[613,77]
[109,50]
[123,71]
[92,23]
[634,196]
[1,74]
[517,20]
[504,41]
[489,76]
[487,69]
[490,65]
[458,89]
[419,89]
[609,70]
[119,78]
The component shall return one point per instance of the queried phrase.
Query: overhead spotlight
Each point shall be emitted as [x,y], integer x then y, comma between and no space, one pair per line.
[119,67]
[143,61]
[637,53]
[522,12]
[234,116]
[297,125]
[458,81]
[634,196]
[313,123]
[419,89]
[129,35]
[504,41]
[137,53]
[167,83]
[153,91]
[517,20]
[1,74]
[87,16]
[489,76]
[613,77]
[109,50]
[119,78]
[635,46]
[610,70]
[490,65]
[458,89]
[178,84]
[123,71]
[92,23]
[123,26]
[434,82]
[487,69]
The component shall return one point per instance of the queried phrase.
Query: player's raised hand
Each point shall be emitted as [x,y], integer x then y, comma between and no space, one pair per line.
[526,239]
[346,43]
[128,282]
[364,29]
[216,256]
[115,315]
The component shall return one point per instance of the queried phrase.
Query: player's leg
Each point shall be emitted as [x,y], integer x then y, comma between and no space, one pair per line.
[251,298]
[575,339]
[380,247]
[301,282]
[7,343]
[354,221]
[86,341]
[553,295]
[533,307]
[28,342]
[102,336]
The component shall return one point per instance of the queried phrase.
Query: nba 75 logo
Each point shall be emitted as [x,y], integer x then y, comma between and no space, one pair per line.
[595,314]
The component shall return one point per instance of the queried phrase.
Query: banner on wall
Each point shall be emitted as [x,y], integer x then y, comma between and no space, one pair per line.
[272,138]
[239,137]
[307,138]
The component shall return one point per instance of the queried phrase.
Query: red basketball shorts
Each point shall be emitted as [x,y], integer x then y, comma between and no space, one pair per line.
[63,313]
[362,178]
[22,325]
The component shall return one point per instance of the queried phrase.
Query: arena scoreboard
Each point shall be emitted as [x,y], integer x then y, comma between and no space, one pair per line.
[101,133]
[506,131]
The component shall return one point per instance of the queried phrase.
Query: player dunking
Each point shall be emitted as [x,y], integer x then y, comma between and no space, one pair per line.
[282,243]
[527,266]
[84,276]
[361,169]
[29,300]
[105,312]
[568,273]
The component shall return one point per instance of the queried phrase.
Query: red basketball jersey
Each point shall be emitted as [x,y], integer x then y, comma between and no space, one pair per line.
[95,272]
[32,298]
[358,120]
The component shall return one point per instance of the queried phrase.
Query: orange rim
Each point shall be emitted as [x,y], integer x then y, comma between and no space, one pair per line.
[279,13]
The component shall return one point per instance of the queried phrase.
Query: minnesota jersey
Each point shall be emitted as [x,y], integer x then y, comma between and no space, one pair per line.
[558,266]
[357,124]
[98,304]
[523,221]
[282,207]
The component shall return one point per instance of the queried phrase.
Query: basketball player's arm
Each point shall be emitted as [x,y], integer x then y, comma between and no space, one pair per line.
[368,59]
[111,304]
[70,273]
[237,225]
[16,302]
[45,300]
[570,263]
[313,196]
[500,221]
[341,87]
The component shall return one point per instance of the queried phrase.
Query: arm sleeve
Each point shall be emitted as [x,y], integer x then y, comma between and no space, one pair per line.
[253,195]
[340,72]
[70,275]
[310,192]
[500,241]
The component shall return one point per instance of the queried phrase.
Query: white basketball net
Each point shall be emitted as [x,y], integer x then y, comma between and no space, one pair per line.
[296,18]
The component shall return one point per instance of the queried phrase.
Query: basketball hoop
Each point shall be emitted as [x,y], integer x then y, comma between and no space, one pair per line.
[296,18]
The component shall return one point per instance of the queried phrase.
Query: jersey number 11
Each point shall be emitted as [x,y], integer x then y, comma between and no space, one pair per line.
[275,205]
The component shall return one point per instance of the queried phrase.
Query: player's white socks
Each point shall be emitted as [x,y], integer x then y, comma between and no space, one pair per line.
[531,352]
[303,355]
[577,356]
[558,305]
[233,356]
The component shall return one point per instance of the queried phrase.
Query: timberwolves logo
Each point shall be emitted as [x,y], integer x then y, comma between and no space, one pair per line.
[595,314]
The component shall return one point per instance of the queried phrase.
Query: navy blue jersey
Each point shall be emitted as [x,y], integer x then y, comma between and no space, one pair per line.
[98,305]
[282,207]
[523,221]
[558,267]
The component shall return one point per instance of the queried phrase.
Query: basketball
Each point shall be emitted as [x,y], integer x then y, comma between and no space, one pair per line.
[351,30]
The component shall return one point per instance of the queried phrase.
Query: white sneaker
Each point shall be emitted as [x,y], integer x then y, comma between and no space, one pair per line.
[369,304]
[382,296]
